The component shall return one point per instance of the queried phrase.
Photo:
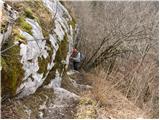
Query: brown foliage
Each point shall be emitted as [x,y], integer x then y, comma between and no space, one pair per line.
[122,39]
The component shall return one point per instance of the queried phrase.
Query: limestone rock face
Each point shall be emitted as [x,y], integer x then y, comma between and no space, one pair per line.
[39,52]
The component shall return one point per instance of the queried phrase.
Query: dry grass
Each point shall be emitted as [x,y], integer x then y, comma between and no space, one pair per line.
[110,102]
[135,26]
[136,79]
[101,87]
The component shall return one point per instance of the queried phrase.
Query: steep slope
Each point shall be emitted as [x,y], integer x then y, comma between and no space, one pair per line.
[110,104]
[121,39]
[37,39]
[45,104]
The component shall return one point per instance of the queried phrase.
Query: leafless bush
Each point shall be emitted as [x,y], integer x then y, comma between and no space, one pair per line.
[137,79]
[122,38]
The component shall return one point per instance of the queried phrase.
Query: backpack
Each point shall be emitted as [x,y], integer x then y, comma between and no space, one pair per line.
[82,57]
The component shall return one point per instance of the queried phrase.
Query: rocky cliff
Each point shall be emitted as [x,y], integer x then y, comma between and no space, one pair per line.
[36,41]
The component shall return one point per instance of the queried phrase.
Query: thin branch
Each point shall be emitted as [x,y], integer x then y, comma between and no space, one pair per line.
[7,48]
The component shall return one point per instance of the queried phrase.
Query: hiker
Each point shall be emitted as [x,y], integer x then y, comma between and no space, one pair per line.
[75,59]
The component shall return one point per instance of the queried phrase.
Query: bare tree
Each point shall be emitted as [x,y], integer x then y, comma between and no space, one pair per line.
[122,38]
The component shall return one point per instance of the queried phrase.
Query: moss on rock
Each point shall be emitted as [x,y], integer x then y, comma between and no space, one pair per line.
[24,25]
[50,50]
[29,13]
[35,10]
[12,72]
[43,63]
[60,55]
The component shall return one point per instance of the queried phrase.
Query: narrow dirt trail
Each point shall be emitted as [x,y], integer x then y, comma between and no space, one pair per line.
[47,103]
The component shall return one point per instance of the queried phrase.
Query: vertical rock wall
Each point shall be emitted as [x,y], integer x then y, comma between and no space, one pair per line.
[41,57]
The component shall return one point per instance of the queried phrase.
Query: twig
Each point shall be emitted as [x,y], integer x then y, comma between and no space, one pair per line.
[7,48]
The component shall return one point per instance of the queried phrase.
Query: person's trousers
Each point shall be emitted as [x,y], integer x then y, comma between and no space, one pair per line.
[76,65]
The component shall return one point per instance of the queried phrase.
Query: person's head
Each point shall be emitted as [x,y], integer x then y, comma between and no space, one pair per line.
[74,51]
